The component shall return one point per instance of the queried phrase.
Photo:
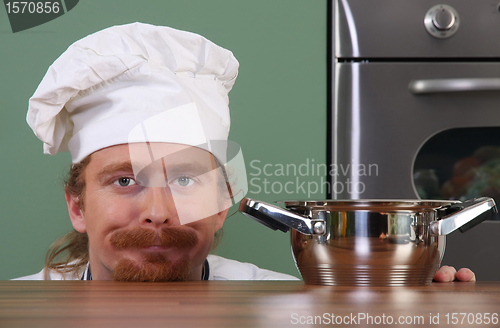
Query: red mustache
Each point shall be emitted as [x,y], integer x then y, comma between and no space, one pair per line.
[144,237]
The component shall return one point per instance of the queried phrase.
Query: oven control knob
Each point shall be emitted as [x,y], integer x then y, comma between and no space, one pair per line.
[441,21]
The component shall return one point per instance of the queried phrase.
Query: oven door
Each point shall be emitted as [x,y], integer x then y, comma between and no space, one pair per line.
[384,113]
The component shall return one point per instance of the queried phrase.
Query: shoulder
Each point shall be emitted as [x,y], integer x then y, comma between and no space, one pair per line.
[226,269]
[37,276]
[53,275]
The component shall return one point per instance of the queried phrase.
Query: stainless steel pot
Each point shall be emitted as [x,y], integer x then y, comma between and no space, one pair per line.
[369,242]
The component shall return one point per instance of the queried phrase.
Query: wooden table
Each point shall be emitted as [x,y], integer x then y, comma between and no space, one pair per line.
[90,304]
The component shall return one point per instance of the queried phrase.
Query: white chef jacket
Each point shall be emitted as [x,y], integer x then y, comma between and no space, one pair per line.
[219,269]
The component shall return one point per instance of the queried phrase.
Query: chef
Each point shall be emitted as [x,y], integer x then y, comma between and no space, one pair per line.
[143,110]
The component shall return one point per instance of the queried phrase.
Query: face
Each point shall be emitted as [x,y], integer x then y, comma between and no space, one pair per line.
[156,213]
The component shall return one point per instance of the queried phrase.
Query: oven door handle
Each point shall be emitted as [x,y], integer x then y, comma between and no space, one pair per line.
[454,85]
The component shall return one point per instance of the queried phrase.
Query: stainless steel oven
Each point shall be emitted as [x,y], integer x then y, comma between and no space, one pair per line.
[415,108]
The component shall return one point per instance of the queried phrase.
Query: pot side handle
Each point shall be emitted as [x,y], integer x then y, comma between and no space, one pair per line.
[275,217]
[464,216]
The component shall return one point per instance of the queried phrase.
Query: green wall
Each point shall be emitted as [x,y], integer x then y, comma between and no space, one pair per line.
[278,113]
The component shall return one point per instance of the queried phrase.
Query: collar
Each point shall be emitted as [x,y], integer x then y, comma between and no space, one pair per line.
[206,271]
[87,275]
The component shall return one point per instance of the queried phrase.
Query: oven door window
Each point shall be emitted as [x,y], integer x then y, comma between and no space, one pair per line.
[459,164]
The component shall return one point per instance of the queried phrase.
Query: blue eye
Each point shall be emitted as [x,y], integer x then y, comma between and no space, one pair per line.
[184,181]
[124,182]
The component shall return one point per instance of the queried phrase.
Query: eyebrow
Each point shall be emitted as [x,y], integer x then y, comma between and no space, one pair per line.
[112,168]
[195,168]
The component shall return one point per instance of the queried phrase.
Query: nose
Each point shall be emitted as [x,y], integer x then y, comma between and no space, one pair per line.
[159,208]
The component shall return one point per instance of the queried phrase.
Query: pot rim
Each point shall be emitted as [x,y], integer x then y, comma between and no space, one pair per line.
[370,204]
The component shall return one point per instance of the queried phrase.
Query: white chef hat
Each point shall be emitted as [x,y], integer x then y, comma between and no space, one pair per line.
[173,84]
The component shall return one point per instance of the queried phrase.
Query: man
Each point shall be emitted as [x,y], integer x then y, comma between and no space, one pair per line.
[144,112]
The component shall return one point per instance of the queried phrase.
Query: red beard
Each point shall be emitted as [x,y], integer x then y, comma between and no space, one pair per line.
[155,266]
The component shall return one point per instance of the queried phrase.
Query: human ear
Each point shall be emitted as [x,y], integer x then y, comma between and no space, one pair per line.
[221,217]
[75,213]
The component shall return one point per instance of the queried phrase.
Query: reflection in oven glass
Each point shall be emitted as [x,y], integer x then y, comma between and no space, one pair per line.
[459,164]
[475,176]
